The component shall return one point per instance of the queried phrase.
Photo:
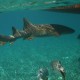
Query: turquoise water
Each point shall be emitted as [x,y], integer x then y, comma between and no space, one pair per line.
[11,5]
[22,60]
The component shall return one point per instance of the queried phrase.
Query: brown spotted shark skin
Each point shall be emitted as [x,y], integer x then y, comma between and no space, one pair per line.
[42,30]
[45,30]
[56,65]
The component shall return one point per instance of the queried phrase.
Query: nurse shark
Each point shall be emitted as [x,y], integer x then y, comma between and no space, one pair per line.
[35,30]
[44,30]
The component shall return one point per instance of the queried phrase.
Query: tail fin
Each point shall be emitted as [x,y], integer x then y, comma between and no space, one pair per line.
[27,24]
[15,32]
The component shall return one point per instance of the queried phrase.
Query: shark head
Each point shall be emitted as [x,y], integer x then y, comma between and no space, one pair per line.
[61,29]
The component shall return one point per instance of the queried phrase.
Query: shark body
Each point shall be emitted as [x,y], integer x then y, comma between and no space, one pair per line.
[57,65]
[44,30]
[36,30]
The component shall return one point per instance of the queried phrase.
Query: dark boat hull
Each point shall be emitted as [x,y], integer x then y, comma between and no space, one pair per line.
[66,9]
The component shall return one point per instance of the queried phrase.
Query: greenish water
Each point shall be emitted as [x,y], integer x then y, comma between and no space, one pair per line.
[10,5]
[22,60]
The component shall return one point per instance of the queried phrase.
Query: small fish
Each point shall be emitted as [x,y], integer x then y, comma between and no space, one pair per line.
[43,74]
[4,39]
[56,65]
[10,38]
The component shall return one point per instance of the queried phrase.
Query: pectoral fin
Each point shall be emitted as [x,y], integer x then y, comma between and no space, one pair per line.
[56,34]
[29,38]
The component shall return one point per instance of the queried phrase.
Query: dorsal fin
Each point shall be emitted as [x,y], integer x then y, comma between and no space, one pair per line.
[26,24]
[15,32]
